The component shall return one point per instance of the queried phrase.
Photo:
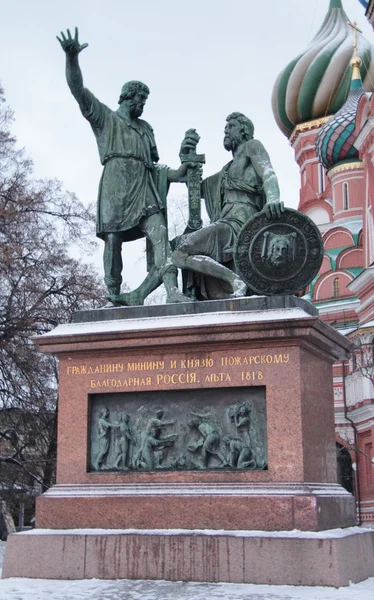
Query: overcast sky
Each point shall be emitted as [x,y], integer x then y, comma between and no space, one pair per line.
[202,59]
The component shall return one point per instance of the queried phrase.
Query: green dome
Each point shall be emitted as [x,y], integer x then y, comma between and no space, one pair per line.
[317,82]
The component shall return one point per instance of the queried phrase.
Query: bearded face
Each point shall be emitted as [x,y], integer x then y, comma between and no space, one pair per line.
[233,135]
[136,109]
[279,253]
[137,104]
[281,249]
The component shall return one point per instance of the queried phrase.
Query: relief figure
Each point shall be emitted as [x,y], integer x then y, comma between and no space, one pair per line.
[246,425]
[104,426]
[209,444]
[279,249]
[240,454]
[150,454]
[124,441]
[242,420]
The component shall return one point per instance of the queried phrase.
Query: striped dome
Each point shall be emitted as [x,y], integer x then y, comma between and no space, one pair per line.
[335,141]
[317,82]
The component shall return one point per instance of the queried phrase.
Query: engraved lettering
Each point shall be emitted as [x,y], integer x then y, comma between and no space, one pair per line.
[176,378]
[251,375]
[196,363]
[99,369]
[157,365]
[217,377]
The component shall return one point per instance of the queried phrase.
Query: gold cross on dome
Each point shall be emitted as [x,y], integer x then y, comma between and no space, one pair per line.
[355,30]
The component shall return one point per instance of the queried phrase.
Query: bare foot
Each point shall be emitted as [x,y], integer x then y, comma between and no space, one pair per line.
[239,288]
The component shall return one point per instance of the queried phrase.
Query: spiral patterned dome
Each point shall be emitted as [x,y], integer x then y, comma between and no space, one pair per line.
[335,140]
[317,82]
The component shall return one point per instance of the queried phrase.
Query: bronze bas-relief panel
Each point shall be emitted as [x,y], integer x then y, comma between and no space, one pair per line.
[176,430]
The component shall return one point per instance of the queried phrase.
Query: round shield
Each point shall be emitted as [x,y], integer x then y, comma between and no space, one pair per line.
[280,255]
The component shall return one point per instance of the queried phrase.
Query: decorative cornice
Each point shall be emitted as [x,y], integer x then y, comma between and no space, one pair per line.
[348,166]
[362,413]
[364,278]
[337,306]
[307,126]
[360,331]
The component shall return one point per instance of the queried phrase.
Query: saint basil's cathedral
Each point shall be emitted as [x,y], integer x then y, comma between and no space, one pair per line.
[323,102]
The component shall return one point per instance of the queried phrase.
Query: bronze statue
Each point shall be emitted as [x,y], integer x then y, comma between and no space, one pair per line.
[132,192]
[243,188]
[225,259]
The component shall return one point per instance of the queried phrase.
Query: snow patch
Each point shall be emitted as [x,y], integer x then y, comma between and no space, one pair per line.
[172,322]
[295,533]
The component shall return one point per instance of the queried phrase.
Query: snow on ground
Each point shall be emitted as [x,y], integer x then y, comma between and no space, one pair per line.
[95,589]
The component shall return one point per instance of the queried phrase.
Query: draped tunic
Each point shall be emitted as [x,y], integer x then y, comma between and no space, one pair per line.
[232,201]
[128,185]
[232,197]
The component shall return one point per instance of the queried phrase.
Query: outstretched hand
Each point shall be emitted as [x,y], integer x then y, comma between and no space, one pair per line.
[71,45]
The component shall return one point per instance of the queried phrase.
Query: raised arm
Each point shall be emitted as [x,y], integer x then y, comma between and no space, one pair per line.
[74,78]
[263,167]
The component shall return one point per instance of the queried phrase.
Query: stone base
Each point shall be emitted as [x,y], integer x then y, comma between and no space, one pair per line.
[268,507]
[193,524]
[331,558]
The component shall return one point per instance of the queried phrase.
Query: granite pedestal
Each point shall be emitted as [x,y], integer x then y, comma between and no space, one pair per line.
[213,524]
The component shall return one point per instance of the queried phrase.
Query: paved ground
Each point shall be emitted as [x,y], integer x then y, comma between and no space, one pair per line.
[95,589]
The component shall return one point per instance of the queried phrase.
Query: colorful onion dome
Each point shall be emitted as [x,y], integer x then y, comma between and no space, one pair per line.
[335,140]
[317,82]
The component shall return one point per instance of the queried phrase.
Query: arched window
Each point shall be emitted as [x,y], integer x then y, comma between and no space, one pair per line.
[321,179]
[336,288]
[345,196]
[345,472]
